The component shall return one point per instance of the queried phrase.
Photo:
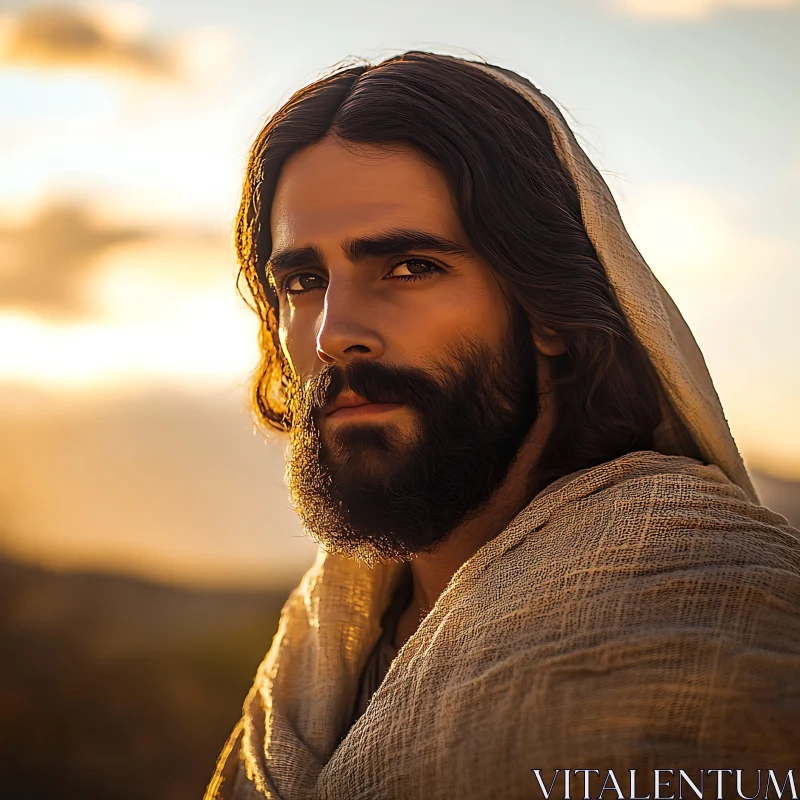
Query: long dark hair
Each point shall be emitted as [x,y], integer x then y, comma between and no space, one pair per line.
[520,210]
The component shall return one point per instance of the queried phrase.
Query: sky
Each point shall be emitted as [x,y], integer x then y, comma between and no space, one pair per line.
[125,352]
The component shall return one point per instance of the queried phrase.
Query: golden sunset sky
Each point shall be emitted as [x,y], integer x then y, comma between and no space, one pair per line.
[124,350]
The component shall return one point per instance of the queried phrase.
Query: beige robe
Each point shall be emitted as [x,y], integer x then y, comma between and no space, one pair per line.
[641,614]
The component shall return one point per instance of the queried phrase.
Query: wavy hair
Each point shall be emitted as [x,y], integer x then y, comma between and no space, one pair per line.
[520,210]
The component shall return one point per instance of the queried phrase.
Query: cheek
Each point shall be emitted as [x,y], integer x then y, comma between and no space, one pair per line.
[297,334]
[476,311]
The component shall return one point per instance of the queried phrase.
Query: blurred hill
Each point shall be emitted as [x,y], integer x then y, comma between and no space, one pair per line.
[166,484]
[779,495]
[117,688]
[163,483]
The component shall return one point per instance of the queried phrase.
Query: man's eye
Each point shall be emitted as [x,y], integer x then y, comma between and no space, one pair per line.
[303,282]
[414,267]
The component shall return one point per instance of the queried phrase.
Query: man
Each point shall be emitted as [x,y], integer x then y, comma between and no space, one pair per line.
[540,549]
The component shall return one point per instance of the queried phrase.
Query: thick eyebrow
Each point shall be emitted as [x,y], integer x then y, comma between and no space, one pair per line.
[394,242]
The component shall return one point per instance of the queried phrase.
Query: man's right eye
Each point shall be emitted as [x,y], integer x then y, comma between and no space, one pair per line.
[303,282]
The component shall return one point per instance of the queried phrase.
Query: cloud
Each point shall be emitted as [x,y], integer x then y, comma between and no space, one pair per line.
[690,10]
[89,303]
[108,38]
[68,262]
[45,263]
[57,36]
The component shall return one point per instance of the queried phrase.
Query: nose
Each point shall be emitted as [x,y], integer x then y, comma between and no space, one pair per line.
[347,330]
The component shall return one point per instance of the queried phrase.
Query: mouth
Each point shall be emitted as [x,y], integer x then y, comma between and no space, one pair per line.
[364,410]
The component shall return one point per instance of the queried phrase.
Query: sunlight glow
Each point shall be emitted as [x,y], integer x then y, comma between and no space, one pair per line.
[205,343]
[691,239]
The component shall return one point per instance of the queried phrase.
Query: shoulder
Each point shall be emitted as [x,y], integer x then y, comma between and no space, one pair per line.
[653,513]
[657,554]
[656,616]
[667,488]
[686,517]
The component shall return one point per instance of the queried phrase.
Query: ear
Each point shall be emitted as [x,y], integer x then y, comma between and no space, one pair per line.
[548,342]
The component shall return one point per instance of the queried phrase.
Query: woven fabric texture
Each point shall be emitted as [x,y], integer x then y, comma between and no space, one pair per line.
[643,614]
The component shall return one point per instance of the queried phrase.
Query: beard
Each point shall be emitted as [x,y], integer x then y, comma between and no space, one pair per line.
[375,491]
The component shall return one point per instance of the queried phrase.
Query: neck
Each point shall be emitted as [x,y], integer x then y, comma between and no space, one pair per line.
[432,571]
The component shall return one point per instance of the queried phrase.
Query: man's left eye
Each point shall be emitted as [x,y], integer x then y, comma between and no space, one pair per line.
[411,265]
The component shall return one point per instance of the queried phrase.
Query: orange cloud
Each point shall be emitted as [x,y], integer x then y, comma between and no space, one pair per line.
[60,36]
[47,261]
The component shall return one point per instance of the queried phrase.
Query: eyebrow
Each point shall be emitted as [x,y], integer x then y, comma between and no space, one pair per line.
[394,242]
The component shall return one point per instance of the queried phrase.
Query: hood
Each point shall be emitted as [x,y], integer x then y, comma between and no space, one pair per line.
[692,421]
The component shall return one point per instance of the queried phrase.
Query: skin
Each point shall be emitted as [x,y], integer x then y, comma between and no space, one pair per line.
[328,193]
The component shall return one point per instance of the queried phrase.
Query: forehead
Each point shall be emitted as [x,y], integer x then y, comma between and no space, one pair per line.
[329,191]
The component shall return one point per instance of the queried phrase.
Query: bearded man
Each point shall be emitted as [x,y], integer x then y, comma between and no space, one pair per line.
[539,547]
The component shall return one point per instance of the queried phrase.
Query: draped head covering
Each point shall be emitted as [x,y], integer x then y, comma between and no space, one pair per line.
[644,613]
[693,423]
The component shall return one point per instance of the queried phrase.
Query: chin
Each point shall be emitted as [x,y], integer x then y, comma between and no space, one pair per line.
[367,440]
[366,470]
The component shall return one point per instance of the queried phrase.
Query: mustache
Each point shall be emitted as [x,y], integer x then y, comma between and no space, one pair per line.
[375,382]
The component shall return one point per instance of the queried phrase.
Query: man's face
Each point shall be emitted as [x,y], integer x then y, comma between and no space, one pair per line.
[420,330]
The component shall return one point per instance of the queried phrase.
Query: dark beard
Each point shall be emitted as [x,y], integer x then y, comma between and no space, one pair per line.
[368,491]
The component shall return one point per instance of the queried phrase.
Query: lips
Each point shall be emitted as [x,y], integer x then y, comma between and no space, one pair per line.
[365,410]
[350,403]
